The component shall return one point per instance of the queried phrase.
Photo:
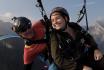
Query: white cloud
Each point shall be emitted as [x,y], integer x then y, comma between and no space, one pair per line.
[7,15]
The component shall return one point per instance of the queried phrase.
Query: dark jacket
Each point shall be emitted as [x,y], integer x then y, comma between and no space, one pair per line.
[66,55]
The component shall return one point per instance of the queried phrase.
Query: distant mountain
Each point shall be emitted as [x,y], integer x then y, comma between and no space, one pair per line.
[5,28]
[97,30]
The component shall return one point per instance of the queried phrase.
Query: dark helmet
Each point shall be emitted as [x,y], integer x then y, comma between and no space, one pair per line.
[61,10]
[21,24]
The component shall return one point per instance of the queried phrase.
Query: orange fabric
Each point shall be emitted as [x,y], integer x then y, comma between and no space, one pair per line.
[35,49]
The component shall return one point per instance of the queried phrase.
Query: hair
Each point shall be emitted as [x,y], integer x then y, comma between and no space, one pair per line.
[60,10]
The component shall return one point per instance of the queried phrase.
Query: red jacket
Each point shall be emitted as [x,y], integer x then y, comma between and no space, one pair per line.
[35,49]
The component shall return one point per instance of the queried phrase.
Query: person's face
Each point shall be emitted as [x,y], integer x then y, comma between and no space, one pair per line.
[58,21]
[27,34]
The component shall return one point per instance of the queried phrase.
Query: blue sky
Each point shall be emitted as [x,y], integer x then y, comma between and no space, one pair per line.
[9,8]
